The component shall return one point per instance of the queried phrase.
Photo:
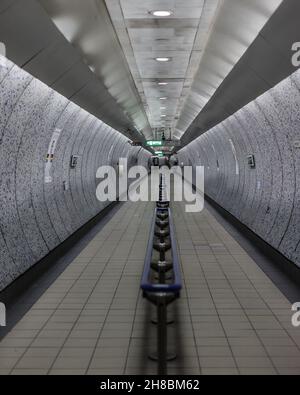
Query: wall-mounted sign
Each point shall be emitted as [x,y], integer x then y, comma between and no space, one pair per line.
[50,155]
[74,161]
[2,314]
[156,143]
[251,161]
[172,143]
[237,167]
[164,143]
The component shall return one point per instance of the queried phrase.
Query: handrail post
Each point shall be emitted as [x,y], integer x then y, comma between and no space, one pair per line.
[161,274]
[158,288]
[162,255]
[162,339]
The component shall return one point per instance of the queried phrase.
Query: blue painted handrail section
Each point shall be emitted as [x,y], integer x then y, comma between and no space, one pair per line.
[146,284]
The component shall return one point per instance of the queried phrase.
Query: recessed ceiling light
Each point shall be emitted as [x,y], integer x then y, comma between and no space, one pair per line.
[163,98]
[161,13]
[163,59]
[162,83]
[163,108]
[163,115]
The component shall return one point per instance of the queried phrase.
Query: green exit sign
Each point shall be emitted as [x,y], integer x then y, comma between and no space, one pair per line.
[154,143]
[159,153]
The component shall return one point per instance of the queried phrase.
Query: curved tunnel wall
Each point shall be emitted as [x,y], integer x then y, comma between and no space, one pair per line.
[38,215]
[265,198]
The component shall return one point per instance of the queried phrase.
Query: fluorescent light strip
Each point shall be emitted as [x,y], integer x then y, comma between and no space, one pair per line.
[163,59]
[161,13]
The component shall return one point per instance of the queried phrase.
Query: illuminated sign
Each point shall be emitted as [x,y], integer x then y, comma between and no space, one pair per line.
[154,143]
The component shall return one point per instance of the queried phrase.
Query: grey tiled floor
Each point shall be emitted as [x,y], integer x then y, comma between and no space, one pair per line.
[240,321]
[231,319]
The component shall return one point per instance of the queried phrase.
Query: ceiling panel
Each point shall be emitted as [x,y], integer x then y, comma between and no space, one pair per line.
[181,37]
[162,39]
[150,68]
[181,8]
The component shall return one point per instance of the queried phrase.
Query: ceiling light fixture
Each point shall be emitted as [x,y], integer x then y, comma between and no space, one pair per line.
[163,98]
[162,83]
[163,59]
[161,13]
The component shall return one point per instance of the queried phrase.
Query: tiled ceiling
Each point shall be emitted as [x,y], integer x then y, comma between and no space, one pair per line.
[181,37]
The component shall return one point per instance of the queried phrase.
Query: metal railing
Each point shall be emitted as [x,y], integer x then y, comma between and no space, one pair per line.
[161,280]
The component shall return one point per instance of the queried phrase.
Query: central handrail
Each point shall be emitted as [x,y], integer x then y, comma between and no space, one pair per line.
[146,284]
[160,289]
